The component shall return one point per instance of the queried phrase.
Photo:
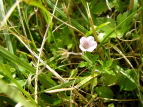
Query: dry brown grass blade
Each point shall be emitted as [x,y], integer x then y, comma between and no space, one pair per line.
[120,52]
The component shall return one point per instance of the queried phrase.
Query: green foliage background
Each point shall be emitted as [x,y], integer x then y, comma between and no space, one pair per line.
[41,63]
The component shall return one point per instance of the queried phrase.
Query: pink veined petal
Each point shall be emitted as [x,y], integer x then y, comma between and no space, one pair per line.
[87,44]
[90,38]
[82,48]
[82,40]
[93,43]
[91,48]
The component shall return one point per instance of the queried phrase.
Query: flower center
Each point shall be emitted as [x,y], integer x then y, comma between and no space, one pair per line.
[86,45]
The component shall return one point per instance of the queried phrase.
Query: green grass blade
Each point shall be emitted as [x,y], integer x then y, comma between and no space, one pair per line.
[74,23]
[86,80]
[6,70]
[14,94]
[6,35]
[67,84]
[6,54]
[79,82]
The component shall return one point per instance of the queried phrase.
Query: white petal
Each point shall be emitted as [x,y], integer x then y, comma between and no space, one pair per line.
[87,40]
[93,43]
[90,38]
[91,49]
[82,40]
[92,46]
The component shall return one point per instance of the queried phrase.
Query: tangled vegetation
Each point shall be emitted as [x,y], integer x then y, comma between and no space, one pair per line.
[71,53]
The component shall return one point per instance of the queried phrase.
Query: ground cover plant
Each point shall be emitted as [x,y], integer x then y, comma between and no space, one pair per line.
[71,53]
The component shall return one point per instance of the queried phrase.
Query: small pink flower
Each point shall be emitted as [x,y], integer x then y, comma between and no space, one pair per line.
[87,44]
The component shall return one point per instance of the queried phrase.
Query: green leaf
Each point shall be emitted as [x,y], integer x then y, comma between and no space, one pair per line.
[101,62]
[98,7]
[109,63]
[111,72]
[87,56]
[109,79]
[102,25]
[104,92]
[82,64]
[111,105]
[119,25]
[124,27]
[128,81]
[93,83]
[120,5]
[101,37]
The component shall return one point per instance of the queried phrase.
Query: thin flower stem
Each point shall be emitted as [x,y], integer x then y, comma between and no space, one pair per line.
[39,56]
[72,53]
